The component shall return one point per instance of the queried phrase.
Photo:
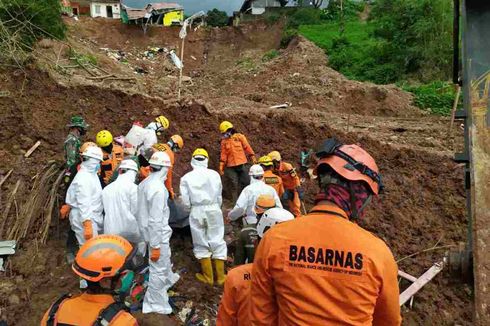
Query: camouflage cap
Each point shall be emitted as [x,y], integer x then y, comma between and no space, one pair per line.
[77,121]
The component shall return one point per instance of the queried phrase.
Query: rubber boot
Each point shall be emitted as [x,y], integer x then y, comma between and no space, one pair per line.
[219,265]
[206,276]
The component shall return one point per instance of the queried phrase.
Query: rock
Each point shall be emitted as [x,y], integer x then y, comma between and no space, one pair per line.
[14,299]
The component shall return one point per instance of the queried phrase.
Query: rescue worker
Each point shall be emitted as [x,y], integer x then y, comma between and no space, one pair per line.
[120,199]
[235,154]
[201,190]
[323,269]
[234,308]
[113,154]
[77,129]
[100,262]
[71,240]
[138,138]
[84,196]
[270,178]
[247,240]
[174,145]
[153,215]
[293,194]
[246,201]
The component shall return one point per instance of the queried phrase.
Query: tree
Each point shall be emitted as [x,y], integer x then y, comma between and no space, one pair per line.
[217,18]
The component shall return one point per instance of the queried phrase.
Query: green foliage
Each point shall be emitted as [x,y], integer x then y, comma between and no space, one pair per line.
[304,16]
[351,10]
[217,18]
[436,97]
[417,35]
[269,55]
[33,19]
[83,58]
[272,19]
[287,36]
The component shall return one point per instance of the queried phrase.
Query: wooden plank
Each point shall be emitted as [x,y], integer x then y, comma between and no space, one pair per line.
[407,276]
[420,282]
[32,149]
[6,177]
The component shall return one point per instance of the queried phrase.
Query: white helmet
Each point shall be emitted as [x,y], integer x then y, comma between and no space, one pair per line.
[256,170]
[93,152]
[160,159]
[272,217]
[129,164]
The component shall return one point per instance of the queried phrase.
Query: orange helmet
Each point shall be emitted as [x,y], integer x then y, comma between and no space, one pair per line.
[103,256]
[177,140]
[263,203]
[159,147]
[86,145]
[351,162]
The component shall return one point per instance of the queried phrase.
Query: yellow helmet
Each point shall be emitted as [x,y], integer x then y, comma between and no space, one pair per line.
[86,145]
[263,203]
[164,123]
[265,160]
[200,152]
[103,138]
[224,126]
[177,140]
[275,156]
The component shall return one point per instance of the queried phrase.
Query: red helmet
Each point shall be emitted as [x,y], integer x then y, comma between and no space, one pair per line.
[353,163]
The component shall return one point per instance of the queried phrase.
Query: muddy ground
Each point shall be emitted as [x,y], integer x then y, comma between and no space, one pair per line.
[424,200]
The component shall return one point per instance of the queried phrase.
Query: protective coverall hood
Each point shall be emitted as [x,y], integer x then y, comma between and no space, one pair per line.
[90,165]
[120,199]
[160,174]
[152,126]
[201,192]
[196,164]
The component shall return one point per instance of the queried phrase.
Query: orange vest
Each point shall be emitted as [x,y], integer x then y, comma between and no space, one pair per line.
[290,179]
[274,181]
[111,162]
[234,150]
[234,309]
[84,309]
[322,269]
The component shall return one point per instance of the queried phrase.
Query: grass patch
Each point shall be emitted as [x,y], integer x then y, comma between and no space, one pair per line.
[269,55]
[436,97]
[323,35]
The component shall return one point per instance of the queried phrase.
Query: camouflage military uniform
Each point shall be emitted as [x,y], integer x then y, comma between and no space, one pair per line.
[72,151]
[245,247]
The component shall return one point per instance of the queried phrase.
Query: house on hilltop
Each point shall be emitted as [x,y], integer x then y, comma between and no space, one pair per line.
[144,13]
[77,8]
[105,8]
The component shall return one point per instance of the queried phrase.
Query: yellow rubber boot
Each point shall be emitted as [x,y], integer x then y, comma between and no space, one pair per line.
[206,276]
[220,271]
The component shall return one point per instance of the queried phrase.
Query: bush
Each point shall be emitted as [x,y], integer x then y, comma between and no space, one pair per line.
[272,19]
[304,16]
[351,10]
[436,97]
[287,36]
[417,35]
[269,55]
[23,22]
[217,18]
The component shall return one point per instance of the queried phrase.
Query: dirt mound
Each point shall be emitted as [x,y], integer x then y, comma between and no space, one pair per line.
[299,75]
[423,204]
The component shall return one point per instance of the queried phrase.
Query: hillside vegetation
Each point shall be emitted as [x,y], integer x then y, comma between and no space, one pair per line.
[407,42]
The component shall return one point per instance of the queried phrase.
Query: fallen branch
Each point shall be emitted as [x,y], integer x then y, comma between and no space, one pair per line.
[425,250]
[32,149]
[7,208]
[6,177]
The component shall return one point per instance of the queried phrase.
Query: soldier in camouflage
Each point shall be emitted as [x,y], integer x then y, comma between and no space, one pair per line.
[78,128]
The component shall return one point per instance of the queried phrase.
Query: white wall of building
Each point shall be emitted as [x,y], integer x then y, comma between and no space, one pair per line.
[99,9]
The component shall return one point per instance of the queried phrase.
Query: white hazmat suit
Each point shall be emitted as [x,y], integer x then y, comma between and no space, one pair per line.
[85,199]
[120,199]
[153,214]
[201,192]
[246,201]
